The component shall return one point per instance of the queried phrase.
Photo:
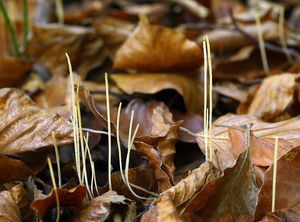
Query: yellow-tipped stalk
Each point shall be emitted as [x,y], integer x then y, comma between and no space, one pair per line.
[274,174]
[57,159]
[205,100]
[109,132]
[55,189]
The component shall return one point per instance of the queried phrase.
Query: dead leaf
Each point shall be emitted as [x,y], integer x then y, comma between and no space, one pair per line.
[216,202]
[25,127]
[14,205]
[291,214]
[13,170]
[163,211]
[287,184]
[187,187]
[189,88]
[227,40]
[273,97]
[225,157]
[50,43]
[232,90]
[12,70]
[157,49]
[99,208]
[67,198]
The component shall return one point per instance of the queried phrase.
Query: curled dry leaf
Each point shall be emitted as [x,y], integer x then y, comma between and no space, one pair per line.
[50,43]
[291,214]
[273,97]
[287,185]
[189,88]
[12,70]
[187,187]
[153,48]
[163,211]
[288,131]
[99,208]
[25,127]
[15,205]
[12,170]
[226,40]
[134,177]
[216,202]
[72,198]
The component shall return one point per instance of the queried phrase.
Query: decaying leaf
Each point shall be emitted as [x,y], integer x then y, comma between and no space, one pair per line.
[67,198]
[291,214]
[163,211]
[274,96]
[153,48]
[25,127]
[50,43]
[147,83]
[99,208]
[12,170]
[15,205]
[288,131]
[12,70]
[231,197]
[287,184]
[187,187]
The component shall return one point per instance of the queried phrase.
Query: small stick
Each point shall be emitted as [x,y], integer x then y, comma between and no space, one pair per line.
[109,132]
[55,190]
[57,159]
[261,44]
[274,174]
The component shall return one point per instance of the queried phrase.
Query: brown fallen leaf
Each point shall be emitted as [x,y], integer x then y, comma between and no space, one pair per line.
[15,205]
[25,127]
[227,40]
[273,97]
[147,83]
[287,185]
[134,177]
[231,197]
[232,90]
[12,70]
[99,208]
[261,149]
[67,198]
[12,170]
[153,48]
[163,211]
[291,214]
[187,187]
[288,131]
[50,43]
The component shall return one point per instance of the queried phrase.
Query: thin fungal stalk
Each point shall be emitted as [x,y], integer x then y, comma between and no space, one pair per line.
[109,132]
[57,159]
[75,122]
[261,44]
[282,37]
[274,174]
[55,189]
[59,11]
[210,97]
[205,99]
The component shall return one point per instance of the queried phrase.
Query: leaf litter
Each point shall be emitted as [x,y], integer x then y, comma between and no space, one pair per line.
[149,111]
